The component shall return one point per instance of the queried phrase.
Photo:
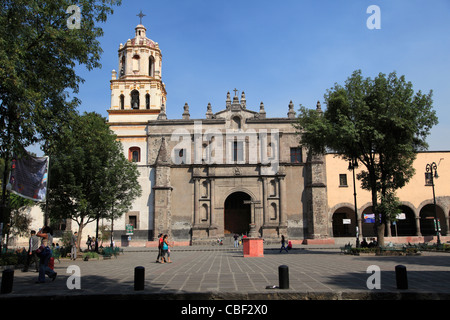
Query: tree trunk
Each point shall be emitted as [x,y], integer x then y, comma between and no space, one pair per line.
[112,233]
[80,233]
[96,235]
[379,222]
[381,226]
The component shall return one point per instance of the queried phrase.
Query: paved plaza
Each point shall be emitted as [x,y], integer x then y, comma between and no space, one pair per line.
[221,272]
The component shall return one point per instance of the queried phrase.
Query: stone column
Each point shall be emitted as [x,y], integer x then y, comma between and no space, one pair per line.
[283,201]
[359,225]
[253,233]
[448,224]
[211,202]
[196,196]
[264,200]
[316,204]
[418,231]
[213,218]
[162,193]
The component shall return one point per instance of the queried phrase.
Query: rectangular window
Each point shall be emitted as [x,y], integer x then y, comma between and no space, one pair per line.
[296,155]
[133,221]
[147,101]
[238,151]
[343,180]
[134,154]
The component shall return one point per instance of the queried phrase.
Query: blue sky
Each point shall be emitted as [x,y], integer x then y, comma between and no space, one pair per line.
[277,51]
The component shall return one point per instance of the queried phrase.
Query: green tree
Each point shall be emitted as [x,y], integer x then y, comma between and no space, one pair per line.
[38,55]
[120,187]
[19,220]
[86,159]
[379,122]
[390,206]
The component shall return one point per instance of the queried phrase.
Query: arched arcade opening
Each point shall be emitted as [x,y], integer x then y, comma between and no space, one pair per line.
[427,218]
[343,222]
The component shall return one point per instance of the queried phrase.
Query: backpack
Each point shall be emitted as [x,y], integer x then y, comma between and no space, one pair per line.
[43,252]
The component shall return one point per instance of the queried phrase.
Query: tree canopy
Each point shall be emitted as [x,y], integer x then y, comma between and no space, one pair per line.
[89,174]
[381,123]
[38,53]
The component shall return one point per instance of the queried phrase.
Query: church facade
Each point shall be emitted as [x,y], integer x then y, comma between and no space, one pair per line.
[237,171]
[233,171]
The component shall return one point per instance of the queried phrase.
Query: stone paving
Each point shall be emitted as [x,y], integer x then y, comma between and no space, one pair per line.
[221,272]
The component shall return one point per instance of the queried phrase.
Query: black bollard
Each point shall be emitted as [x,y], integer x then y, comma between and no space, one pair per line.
[139,277]
[283,277]
[7,280]
[401,277]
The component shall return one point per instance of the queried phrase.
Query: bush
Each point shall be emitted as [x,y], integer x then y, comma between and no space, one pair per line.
[9,258]
[109,251]
[357,251]
[434,247]
[66,238]
[412,250]
[90,255]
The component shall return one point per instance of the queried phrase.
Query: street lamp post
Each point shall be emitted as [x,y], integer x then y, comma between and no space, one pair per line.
[351,166]
[429,170]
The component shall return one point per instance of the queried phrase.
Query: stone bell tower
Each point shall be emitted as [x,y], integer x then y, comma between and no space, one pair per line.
[137,92]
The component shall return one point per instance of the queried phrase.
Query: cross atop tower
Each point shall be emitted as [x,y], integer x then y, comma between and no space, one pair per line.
[140,15]
[235,91]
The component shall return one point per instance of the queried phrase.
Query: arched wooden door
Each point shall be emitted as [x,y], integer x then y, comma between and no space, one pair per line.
[237,215]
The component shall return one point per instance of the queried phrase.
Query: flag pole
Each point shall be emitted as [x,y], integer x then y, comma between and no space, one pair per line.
[4,199]
[46,192]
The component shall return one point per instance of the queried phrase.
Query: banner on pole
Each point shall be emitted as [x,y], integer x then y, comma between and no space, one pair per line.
[28,177]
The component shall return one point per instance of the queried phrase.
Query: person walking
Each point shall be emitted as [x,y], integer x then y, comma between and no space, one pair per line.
[89,242]
[166,249]
[45,233]
[33,246]
[45,253]
[160,241]
[283,244]
[73,243]
[236,240]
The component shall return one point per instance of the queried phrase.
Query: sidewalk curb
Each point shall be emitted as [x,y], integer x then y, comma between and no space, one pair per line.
[217,296]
